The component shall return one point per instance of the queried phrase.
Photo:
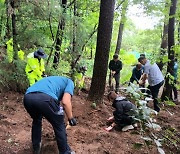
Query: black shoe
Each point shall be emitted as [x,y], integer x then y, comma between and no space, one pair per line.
[37,150]
[71,152]
[157,108]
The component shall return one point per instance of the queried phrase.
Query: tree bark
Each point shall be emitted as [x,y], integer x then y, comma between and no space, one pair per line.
[171,42]
[7,21]
[164,45]
[91,54]
[14,32]
[60,34]
[102,50]
[121,26]
[74,52]
[179,32]
[50,26]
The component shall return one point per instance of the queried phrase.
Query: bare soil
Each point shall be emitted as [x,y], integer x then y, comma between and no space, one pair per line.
[88,137]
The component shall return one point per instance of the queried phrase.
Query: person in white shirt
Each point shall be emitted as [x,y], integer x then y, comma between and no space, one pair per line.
[155,79]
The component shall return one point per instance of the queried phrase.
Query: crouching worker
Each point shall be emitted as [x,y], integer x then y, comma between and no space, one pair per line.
[42,99]
[121,116]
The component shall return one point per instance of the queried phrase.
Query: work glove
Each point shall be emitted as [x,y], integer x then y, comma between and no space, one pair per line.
[72,122]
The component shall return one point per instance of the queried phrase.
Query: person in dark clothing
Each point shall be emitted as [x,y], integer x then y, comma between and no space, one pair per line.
[142,55]
[175,75]
[42,99]
[121,115]
[115,67]
[136,73]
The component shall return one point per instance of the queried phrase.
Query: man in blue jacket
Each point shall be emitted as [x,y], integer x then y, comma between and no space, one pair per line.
[42,99]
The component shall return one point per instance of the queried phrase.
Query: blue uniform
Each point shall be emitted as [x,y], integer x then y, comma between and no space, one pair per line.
[42,100]
[55,86]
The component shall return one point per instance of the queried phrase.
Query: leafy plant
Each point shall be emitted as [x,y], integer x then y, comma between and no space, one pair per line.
[145,116]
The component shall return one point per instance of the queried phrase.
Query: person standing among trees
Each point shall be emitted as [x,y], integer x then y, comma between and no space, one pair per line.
[155,79]
[42,99]
[115,67]
[174,89]
[35,66]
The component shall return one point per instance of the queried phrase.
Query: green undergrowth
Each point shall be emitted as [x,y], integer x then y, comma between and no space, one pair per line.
[12,76]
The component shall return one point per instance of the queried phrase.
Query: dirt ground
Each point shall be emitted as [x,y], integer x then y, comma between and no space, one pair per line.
[88,137]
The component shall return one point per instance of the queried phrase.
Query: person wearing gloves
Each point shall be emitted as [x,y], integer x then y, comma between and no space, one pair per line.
[35,66]
[43,99]
[122,116]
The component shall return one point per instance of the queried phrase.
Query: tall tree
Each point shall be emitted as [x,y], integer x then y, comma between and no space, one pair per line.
[14,31]
[179,32]
[164,41]
[102,50]
[60,33]
[74,39]
[7,20]
[164,45]
[121,26]
[171,43]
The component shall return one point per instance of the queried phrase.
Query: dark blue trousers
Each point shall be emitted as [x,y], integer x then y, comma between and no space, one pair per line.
[40,105]
[154,91]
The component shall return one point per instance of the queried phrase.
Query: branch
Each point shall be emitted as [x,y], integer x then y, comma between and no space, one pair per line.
[119,5]
[90,36]
[50,26]
[71,3]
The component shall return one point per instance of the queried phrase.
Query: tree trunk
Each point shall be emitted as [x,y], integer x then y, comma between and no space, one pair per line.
[74,52]
[164,41]
[179,32]
[102,50]
[8,35]
[60,34]
[168,86]
[164,45]
[91,54]
[121,26]
[14,33]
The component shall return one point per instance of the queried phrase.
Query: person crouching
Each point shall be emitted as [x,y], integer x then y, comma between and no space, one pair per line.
[121,116]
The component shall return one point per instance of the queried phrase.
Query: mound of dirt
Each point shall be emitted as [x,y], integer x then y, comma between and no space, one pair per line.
[88,137]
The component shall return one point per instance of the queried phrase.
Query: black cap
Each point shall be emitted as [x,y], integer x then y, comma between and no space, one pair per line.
[142,55]
[115,56]
[40,53]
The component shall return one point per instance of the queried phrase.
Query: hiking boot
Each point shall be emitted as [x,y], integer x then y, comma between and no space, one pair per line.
[126,128]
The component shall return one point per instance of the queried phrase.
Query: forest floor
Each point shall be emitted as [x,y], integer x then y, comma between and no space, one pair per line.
[88,137]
